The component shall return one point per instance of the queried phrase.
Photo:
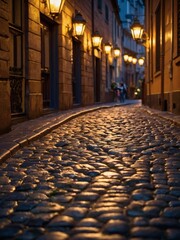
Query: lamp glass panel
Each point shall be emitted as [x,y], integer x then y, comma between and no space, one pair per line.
[141,61]
[130,59]
[96,40]
[126,57]
[116,52]
[134,60]
[55,6]
[137,32]
[78,29]
[107,48]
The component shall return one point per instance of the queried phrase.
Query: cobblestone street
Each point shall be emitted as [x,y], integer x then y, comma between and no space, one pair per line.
[109,174]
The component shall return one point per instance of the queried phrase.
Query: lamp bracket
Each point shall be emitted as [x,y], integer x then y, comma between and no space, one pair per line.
[55,16]
[69,30]
[44,1]
[144,40]
[98,48]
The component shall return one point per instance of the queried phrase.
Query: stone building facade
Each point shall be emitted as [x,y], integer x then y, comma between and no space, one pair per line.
[132,72]
[5,119]
[44,67]
[163,55]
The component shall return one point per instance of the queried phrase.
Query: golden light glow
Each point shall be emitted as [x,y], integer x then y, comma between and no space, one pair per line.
[141,61]
[137,30]
[78,29]
[78,25]
[117,51]
[130,58]
[126,57]
[96,40]
[107,48]
[137,33]
[134,60]
[55,6]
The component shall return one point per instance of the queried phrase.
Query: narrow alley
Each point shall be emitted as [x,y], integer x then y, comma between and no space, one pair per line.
[108,174]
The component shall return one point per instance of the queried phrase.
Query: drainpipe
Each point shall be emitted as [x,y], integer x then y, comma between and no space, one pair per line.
[93,64]
[162,56]
[171,58]
[147,84]
[92,15]
[150,64]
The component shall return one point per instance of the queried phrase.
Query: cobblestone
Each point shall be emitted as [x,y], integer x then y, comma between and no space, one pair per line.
[108,174]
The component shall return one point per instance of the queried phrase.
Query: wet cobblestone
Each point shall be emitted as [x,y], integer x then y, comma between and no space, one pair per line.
[109,174]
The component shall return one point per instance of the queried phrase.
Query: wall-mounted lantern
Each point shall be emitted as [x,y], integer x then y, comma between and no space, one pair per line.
[139,34]
[78,25]
[117,51]
[141,61]
[134,60]
[107,48]
[96,40]
[136,29]
[55,7]
[126,57]
[130,59]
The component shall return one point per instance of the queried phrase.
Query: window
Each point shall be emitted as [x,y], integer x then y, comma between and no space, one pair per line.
[106,13]
[99,5]
[16,56]
[118,31]
[114,28]
[107,73]
[16,34]
[158,33]
[45,63]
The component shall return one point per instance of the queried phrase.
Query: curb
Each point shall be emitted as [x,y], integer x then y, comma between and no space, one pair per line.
[163,115]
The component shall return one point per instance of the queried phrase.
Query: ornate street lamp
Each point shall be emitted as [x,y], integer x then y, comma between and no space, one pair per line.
[136,29]
[107,48]
[130,59]
[117,51]
[139,34]
[78,25]
[134,60]
[141,61]
[55,7]
[96,40]
[126,56]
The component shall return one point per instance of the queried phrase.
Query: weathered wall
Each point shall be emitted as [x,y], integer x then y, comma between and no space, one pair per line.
[5,111]
[33,61]
[164,88]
